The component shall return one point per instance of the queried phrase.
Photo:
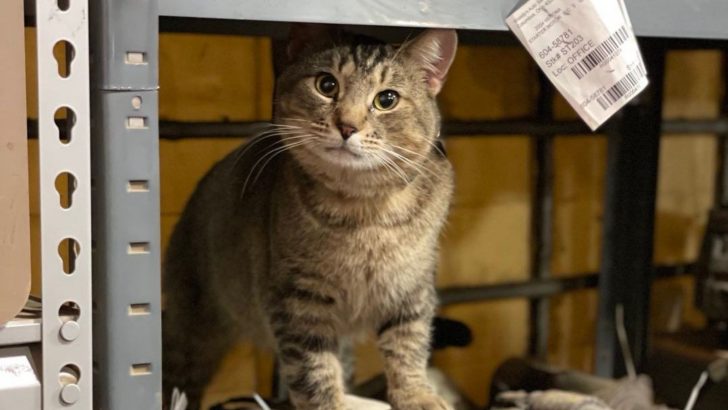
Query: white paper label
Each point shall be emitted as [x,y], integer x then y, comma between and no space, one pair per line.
[15,371]
[359,403]
[587,49]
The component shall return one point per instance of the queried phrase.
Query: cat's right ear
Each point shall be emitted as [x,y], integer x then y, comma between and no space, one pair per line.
[303,35]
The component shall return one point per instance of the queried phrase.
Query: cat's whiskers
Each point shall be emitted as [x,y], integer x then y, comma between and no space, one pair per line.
[402,46]
[419,168]
[405,178]
[271,129]
[411,162]
[286,136]
[274,151]
[433,145]
[390,166]
[303,140]
[379,146]
[316,125]
[381,163]
[258,139]
[277,130]
[305,123]
[294,119]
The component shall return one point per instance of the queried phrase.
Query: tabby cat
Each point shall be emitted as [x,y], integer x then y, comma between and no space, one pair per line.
[324,227]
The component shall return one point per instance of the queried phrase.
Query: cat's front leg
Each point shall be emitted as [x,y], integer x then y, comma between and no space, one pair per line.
[404,341]
[308,348]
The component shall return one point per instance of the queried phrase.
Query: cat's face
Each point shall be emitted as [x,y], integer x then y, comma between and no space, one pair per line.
[365,106]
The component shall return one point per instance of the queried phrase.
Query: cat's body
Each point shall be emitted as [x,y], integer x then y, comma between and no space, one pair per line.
[309,247]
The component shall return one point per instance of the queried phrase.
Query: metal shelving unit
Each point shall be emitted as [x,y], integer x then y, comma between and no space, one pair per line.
[20,332]
[120,160]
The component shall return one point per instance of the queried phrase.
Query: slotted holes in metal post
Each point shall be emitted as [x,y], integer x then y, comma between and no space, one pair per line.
[69,374]
[135,58]
[138,248]
[68,314]
[68,250]
[64,53]
[136,102]
[66,185]
[136,123]
[65,119]
[64,5]
[137,185]
[69,311]
[140,369]
[140,309]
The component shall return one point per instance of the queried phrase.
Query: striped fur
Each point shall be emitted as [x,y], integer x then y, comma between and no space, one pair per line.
[298,241]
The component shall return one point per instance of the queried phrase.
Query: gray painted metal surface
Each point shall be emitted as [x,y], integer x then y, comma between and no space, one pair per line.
[680,18]
[658,18]
[542,213]
[127,342]
[128,56]
[626,276]
[67,370]
[465,14]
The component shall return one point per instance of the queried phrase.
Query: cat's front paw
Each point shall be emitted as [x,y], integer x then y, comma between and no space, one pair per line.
[424,400]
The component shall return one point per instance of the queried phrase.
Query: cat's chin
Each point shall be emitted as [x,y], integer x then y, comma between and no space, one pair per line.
[342,153]
[334,160]
[342,157]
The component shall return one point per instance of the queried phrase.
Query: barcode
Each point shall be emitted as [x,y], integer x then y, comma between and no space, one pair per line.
[625,85]
[599,54]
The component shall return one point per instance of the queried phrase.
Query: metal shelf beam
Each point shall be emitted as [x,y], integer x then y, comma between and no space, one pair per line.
[20,332]
[697,19]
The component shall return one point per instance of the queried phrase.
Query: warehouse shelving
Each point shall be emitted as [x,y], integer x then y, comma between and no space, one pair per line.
[116,97]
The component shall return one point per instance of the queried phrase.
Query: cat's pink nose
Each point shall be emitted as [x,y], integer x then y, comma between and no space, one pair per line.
[346,130]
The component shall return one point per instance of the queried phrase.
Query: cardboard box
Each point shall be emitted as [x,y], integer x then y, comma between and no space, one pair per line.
[19,385]
[14,206]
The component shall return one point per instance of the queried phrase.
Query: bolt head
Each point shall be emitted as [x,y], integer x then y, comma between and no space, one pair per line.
[70,393]
[70,330]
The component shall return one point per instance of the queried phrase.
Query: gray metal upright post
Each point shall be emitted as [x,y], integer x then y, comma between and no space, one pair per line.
[542,220]
[721,181]
[127,316]
[629,213]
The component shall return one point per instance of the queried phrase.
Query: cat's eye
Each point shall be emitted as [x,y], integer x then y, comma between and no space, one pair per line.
[327,85]
[386,100]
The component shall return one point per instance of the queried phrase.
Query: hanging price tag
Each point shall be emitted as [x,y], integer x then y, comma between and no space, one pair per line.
[587,49]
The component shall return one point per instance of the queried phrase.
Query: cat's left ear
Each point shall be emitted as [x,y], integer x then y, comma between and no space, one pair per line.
[305,35]
[300,37]
[434,50]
